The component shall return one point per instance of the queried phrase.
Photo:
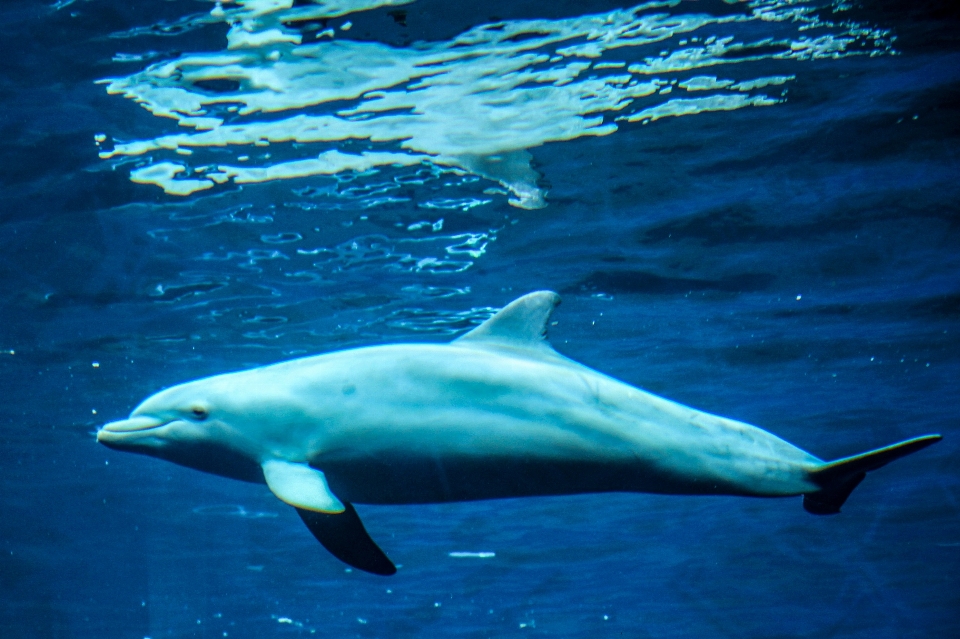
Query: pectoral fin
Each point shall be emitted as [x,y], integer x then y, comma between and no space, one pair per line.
[334,523]
[301,486]
[345,537]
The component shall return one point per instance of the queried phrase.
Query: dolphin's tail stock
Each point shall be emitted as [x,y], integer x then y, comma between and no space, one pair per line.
[837,479]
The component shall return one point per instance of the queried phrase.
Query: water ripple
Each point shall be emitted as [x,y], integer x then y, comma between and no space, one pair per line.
[419,320]
[433,254]
[475,104]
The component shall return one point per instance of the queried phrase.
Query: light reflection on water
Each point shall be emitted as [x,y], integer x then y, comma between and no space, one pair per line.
[285,101]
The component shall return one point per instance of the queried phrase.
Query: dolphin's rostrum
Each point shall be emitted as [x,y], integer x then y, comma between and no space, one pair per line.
[495,413]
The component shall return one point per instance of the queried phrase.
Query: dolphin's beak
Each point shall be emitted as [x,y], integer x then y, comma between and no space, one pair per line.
[116,430]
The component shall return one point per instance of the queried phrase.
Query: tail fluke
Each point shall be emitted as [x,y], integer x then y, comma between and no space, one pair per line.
[837,479]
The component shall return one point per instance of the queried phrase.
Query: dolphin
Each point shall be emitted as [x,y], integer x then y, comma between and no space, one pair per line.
[495,413]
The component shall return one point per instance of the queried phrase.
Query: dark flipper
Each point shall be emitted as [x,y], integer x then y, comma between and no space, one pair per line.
[345,537]
[838,479]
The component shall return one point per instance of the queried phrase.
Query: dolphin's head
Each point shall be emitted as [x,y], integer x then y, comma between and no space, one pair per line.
[179,414]
[194,424]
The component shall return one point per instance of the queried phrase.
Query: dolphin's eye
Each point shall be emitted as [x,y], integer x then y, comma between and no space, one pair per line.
[199,412]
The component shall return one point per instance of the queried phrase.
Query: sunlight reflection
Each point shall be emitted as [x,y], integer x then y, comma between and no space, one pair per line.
[476,103]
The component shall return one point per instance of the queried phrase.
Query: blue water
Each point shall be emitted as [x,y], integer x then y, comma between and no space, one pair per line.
[793,263]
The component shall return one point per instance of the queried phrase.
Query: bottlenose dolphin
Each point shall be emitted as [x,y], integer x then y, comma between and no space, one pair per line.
[495,413]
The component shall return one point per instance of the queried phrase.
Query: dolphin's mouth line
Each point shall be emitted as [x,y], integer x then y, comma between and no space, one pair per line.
[137,424]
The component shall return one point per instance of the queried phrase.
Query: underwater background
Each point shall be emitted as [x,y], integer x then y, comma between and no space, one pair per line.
[752,208]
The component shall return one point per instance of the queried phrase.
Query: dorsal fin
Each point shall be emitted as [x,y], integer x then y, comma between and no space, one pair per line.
[520,324]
